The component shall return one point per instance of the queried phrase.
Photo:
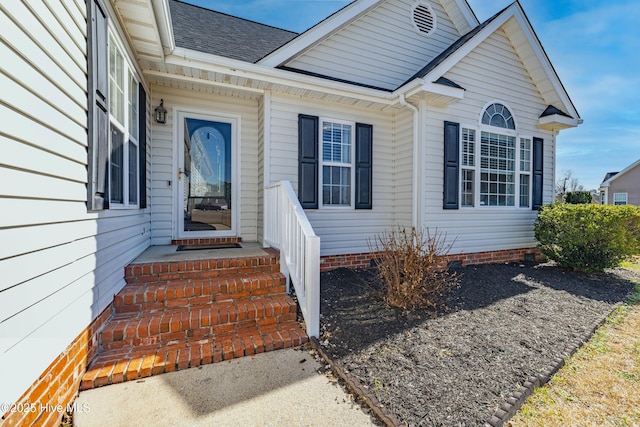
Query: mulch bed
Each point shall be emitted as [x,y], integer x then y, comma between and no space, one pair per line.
[504,324]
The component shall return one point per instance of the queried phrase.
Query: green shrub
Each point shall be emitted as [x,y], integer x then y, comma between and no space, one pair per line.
[588,237]
[412,268]
[578,197]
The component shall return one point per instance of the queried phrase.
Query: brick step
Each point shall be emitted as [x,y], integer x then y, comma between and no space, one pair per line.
[131,363]
[195,322]
[162,271]
[197,292]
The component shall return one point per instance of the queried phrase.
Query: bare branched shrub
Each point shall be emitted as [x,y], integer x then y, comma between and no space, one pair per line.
[412,267]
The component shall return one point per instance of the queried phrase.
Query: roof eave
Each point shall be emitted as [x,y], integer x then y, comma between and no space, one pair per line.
[435,93]
[162,14]
[208,62]
[557,122]
[622,172]
[513,11]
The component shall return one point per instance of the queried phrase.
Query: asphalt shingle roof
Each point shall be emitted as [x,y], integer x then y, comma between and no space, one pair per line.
[551,110]
[452,49]
[220,34]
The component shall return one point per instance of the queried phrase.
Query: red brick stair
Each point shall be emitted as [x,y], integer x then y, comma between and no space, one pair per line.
[180,314]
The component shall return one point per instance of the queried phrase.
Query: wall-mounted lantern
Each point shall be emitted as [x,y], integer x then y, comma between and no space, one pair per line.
[160,113]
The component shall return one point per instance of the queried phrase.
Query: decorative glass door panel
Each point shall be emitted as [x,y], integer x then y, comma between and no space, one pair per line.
[206,177]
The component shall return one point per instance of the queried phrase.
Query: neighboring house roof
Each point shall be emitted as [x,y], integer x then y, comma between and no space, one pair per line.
[232,37]
[612,176]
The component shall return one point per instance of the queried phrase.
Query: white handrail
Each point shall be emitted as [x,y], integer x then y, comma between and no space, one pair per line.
[287,228]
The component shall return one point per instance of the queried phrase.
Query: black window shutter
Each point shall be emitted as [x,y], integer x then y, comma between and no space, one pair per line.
[142,144]
[451,165]
[308,161]
[98,117]
[538,167]
[364,166]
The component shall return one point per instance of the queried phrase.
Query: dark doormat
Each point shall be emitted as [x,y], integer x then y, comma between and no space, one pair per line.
[205,247]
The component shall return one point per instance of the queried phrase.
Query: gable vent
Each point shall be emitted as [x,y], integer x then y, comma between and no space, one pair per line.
[423,18]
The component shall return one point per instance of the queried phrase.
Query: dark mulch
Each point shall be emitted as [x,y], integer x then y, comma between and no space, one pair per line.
[504,324]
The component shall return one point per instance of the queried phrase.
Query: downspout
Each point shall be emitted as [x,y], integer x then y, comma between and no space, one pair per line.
[415,217]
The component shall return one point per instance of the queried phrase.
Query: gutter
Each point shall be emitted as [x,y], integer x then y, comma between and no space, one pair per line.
[415,217]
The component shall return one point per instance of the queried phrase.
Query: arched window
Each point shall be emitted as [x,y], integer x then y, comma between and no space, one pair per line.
[499,116]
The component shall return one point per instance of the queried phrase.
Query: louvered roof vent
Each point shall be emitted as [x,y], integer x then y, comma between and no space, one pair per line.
[423,18]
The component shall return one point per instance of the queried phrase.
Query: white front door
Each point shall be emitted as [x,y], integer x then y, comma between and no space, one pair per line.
[206,190]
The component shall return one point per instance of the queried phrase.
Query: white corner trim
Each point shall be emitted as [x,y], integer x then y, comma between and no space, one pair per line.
[415,215]
[164,26]
[467,12]
[319,32]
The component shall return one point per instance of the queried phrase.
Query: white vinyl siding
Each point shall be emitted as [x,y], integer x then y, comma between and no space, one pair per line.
[380,49]
[163,173]
[63,265]
[341,231]
[493,71]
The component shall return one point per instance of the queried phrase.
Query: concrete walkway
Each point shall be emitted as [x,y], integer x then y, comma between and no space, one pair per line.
[279,388]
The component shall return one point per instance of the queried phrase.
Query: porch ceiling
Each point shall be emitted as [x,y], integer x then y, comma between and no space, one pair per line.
[164,64]
[233,84]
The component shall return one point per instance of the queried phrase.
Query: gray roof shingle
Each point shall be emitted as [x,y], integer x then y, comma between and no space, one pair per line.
[551,110]
[220,34]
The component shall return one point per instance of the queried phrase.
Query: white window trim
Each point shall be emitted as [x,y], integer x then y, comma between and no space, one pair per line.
[128,70]
[322,163]
[626,198]
[479,128]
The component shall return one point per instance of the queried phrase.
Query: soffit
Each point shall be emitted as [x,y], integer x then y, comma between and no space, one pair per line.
[139,22]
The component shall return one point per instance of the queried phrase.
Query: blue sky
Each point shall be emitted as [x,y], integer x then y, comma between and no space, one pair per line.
[594,46]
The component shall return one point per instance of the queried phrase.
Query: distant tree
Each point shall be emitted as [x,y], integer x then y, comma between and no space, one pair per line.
[578,197]
[566,184]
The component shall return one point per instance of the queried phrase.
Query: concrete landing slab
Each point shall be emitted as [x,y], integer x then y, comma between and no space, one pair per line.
[168,253]
[278,388]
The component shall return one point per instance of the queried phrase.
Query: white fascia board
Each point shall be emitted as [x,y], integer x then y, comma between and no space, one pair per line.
[516,12]
[207,62]
[454,93]
[619,174]
[468,13]
[557,122]
[318,33]
[525,25]
[163,24]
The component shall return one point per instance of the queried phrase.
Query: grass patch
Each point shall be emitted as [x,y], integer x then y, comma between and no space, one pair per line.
[600,384]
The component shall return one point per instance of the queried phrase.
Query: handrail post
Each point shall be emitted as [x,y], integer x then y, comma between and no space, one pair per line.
[312,285]
[299,249]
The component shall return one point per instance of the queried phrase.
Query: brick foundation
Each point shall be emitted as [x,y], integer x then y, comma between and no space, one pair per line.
[57,386]
[363,260]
